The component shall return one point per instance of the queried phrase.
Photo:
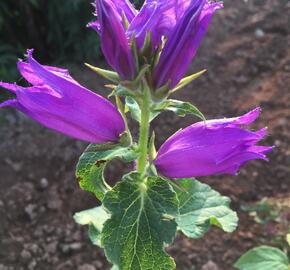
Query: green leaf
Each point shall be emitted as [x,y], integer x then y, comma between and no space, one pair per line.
[134,108]
[141,223]
[92,163]
[200,206]
[179,107]
[95,218]
[263,258]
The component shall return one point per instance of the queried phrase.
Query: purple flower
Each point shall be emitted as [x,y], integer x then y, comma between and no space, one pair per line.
[215,147]
[181,24]
[158,18]
[114,42]
[58,102]
[183,42]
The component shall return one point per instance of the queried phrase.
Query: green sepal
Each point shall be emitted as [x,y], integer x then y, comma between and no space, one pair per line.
[162,93]
[121,91]
[95,219]
[147,47]
[141,223]
[263,258]
[187,80]
[108,74]
[92,163]
[125,20]
[135,84]
[200,207]
[179,107]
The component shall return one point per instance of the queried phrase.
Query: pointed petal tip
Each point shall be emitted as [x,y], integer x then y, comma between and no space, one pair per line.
[30,53]
[249,117]
[12,87]
[7,103]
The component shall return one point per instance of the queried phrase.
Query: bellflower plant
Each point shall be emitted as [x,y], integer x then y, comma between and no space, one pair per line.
[150,51]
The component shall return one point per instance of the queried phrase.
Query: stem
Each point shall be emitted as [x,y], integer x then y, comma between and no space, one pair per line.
[144,130]
[122,112]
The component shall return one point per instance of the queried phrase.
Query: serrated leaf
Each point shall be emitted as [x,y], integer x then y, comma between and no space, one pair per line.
[92,163]
[263,258]
[95,218]
[200,206]
[141,223]
[179,107]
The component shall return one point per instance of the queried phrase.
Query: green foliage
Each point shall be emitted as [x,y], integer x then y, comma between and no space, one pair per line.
[141,223]
[263,258]
[95,219]
[92,163]
[200,206]
[179,107]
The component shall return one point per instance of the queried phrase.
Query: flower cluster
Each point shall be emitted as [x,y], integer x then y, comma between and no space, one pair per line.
[150,51]
[173,30]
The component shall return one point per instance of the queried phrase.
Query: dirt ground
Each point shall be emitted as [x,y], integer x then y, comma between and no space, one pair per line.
[247,54]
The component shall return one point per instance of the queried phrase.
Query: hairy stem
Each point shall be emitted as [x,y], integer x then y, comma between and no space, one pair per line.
[144,130]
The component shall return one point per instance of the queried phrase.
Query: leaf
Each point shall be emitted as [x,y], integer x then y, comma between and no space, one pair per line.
[95,218]
[200,206]
[179,107]
[263,258]
[92,163]
[134,108]
[141,223]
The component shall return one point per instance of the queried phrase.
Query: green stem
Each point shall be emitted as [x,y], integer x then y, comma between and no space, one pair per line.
[122,112]
[144,130]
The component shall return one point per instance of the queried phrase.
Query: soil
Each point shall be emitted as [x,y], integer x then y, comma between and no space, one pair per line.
[247,54]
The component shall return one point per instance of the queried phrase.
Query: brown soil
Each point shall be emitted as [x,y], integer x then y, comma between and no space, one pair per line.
[247,54]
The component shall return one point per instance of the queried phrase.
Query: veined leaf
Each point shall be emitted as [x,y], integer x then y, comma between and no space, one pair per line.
[263,258]
[141,223]
[95,218]
[179,107]
[91,165]
[200,206]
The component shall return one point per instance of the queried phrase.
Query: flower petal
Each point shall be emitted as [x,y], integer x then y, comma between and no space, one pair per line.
[158,18]
[27,72]
[114,42]
[65,106]
[206,149]
[183,42]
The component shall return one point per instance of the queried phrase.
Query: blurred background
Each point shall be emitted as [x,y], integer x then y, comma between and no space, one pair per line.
[247,54]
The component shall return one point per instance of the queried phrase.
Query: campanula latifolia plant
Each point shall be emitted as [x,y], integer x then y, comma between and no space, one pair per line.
[149,51]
